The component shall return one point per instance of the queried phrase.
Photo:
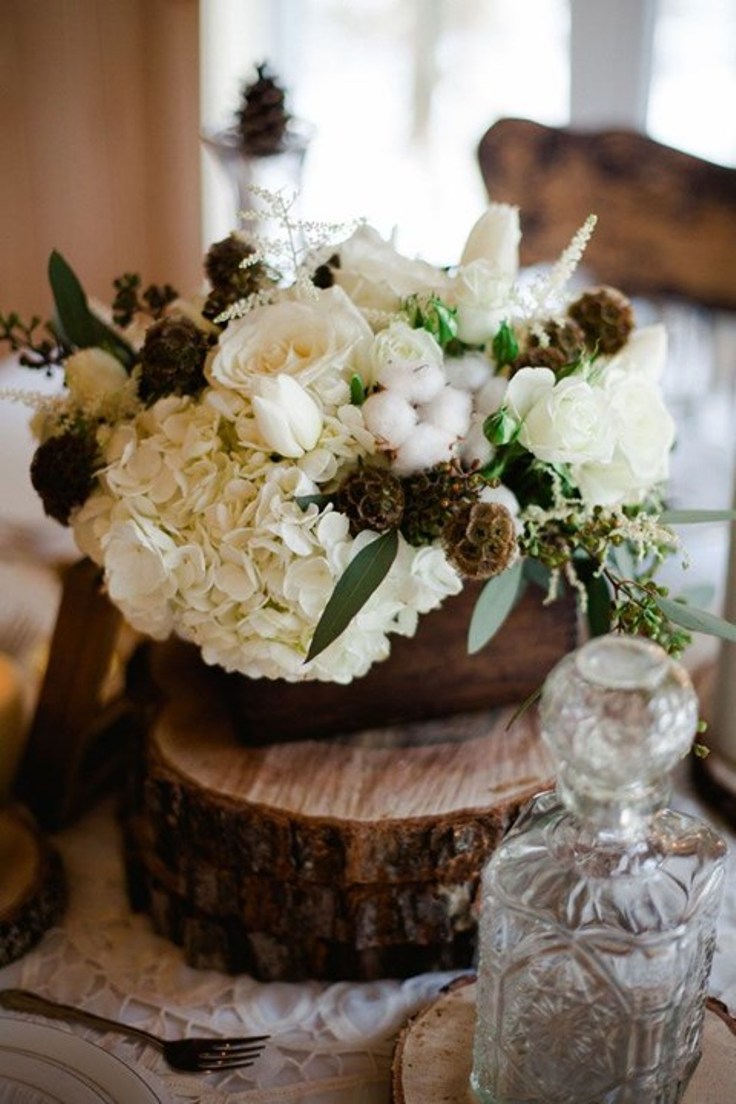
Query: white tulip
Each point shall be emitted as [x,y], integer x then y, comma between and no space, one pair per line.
[495,238]
[287,417]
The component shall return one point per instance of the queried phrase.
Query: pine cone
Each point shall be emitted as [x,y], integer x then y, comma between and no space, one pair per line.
[605,316]
[372,498]
[262,117]
[433,496]
[480,540]
[62,473]
[172,359]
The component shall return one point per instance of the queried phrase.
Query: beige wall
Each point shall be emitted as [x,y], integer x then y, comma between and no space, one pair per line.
[99,102]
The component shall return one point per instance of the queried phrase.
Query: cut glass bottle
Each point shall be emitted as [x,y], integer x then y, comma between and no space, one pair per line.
[598,909]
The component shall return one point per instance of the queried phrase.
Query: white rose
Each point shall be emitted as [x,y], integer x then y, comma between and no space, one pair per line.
[287,417]
[645,353]
[377,277]
[495,237]
[93,375]
[525,388]
[480,292]
[565,423]
[407,361]
[313,340]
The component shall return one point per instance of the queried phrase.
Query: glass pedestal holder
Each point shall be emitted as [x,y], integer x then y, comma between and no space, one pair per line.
[249,173]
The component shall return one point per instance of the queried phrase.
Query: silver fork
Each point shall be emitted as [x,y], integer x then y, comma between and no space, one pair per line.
[193,1055]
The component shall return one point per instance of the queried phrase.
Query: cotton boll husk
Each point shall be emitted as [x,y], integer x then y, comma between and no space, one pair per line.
[426,447]
[468,372]
[389,417]
[449,410]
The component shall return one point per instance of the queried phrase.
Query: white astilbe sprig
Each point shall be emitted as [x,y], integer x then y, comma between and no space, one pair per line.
[546,292]
[299,241]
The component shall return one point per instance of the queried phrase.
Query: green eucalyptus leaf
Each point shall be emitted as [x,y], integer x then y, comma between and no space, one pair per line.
[496,601]
[599,605]
[357,583]
[696,620]
[624,561]
[76,323]
[320,500]
[694,517]
[535,572]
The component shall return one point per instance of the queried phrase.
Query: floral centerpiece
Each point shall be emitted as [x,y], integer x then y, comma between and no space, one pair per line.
[299,462]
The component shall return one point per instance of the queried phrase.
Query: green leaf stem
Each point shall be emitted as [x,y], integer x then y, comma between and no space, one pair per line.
[354,587]
[78,326]
[493,606]
[694,517]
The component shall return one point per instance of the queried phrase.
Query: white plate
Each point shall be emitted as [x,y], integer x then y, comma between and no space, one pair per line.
[40,1064]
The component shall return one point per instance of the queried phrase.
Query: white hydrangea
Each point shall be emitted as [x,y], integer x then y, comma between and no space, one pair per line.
[211,543]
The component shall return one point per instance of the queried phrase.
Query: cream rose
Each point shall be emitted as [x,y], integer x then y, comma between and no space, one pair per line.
[480,293]
[377,277]
[313,340]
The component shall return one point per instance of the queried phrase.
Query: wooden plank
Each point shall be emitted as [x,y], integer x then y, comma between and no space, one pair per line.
[62,766]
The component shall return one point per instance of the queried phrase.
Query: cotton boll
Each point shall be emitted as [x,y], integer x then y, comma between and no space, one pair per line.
[426,447]
[468,372]
[389,417]
[449,410]
[491,396]
[418,382]
[475,448]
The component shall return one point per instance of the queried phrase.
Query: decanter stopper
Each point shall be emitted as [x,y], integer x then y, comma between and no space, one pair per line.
[598,910]
[617,715]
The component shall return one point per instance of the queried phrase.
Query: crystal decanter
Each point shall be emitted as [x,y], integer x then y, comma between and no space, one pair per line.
[598,913]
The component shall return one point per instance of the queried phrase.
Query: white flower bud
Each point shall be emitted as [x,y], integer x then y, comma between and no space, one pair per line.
[94,374]
[287,417]
[495,238]
[389,417]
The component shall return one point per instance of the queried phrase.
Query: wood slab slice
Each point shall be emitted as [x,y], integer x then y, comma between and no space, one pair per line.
[433,1056]
[357,857]
[365,915]
[32,887]
[229,945]
[346,811]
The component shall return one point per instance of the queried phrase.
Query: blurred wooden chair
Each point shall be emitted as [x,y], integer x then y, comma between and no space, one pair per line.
[666,219]
[666,231]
